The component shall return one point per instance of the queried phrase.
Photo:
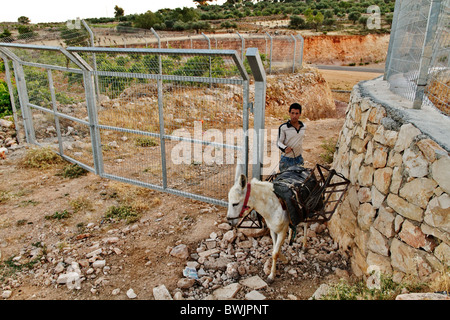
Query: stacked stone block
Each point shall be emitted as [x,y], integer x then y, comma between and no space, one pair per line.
[396,213]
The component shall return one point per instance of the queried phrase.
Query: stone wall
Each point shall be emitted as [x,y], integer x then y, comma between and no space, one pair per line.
[396,213]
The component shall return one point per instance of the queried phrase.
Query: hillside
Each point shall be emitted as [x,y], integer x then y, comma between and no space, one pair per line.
[326,16]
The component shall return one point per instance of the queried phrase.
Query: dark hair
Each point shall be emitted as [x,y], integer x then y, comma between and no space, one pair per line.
[295,106]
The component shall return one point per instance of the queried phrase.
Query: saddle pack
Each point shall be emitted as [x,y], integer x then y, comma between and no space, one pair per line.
[299,192]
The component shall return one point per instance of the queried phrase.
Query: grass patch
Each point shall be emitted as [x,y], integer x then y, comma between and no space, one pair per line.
[126,213]
[139,199]
[442,282]
[329,146]
[10,267]
[72,171]
[146,142]
[81,204]
[4,196]
[26,203]
[41,158]
[58,215]
[386,290]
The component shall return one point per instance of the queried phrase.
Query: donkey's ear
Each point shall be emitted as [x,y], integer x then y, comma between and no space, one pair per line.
[238,173]
[243,181]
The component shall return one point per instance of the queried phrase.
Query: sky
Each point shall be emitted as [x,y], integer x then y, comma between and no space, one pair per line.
[62,10]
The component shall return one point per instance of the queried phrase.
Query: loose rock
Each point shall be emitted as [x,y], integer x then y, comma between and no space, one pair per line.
[131,294]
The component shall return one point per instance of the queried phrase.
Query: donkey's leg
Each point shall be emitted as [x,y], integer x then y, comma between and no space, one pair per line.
[276,252]
[274,236]
[305,232]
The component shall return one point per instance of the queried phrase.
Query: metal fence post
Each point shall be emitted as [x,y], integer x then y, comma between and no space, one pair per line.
[209,47]
[302,43]
[427,52]
[242,45]
[161,132]
[161,115]
[94,59]
[159,47]
[23,100]
[55,110]
[295,47]
[271,50]
[157,37]
[259,106]
[93,122]
[246,107]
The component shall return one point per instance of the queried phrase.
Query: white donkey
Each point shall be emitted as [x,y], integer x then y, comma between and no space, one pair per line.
[259,195]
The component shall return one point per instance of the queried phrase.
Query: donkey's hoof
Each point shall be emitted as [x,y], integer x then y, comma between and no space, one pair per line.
[270,279]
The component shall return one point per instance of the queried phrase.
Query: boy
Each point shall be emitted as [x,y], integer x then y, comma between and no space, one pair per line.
[290,138]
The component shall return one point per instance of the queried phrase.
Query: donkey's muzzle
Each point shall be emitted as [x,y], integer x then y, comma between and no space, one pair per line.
[233,221]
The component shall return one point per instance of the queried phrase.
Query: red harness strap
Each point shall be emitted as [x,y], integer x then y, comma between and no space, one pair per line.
[247,196]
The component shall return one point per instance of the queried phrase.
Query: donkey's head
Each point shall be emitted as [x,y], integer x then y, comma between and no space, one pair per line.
[236,197]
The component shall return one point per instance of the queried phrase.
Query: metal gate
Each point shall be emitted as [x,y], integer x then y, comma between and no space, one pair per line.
[171,120]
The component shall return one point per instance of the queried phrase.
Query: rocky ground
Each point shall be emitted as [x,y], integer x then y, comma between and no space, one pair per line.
[233,263]
[228,264]
[56,242]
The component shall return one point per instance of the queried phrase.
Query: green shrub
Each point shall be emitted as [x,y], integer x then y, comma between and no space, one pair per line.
[72,171]
[330,147]
[146,142]
[297,22]
[122,213]
[58,215]
[387,289]
[41,158]
[5,102]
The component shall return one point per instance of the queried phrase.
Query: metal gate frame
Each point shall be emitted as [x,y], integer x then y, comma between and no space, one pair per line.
[90,84]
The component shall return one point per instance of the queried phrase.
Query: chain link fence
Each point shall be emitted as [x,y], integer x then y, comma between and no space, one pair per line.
[280,53]
[168,119]
[417,64]
[438,85]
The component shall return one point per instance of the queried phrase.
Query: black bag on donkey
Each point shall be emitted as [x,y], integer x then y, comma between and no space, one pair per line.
[294,187]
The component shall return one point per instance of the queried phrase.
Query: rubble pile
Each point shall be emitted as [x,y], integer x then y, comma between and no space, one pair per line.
[7,137]
[232,263]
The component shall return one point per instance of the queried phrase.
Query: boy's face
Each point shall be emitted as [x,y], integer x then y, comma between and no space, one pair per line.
[294,114]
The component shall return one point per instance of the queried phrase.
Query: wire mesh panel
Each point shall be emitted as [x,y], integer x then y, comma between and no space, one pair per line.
[172,120]
[164,115]
[407,47]
[280,53]
[417,63]
[286,54]
[438,86]
[53,101]
[210,116]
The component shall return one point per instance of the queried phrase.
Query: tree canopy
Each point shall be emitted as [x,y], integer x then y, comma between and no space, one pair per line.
[118,12]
